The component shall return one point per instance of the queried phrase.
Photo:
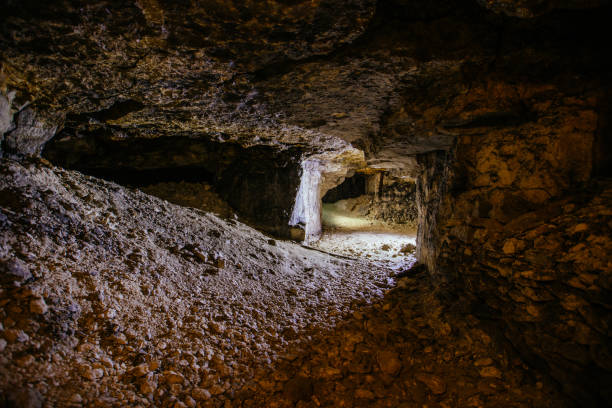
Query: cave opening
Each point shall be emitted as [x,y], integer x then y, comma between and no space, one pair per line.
[371,214]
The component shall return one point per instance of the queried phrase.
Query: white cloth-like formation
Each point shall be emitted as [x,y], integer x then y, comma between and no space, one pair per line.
[307,208]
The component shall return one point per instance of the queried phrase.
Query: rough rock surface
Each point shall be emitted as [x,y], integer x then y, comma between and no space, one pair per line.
[542,274]
[375,75]
[124,298]
[407,350]
[395,202]
[135,301]
[500,108]
[194,195]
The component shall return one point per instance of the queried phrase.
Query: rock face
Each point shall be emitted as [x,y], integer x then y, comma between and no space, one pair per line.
[525,234]
[259,182]
[542,275]
[395,201]
[500,109]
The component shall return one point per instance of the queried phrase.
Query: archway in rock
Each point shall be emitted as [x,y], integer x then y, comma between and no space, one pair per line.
[371,214]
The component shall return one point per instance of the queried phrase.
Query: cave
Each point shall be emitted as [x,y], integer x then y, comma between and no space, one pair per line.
[351,187]
[330,203]
[371,214]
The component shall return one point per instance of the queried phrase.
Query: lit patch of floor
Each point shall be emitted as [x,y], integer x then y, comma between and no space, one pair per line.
[348,234]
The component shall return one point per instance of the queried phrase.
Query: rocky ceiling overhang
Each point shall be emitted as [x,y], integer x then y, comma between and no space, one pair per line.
[393,78]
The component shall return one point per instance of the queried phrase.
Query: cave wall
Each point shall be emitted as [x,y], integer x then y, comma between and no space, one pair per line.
[514,221]
[262,186]
[395,201]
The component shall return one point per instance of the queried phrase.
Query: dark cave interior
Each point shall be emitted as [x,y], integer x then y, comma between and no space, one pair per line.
[339,203]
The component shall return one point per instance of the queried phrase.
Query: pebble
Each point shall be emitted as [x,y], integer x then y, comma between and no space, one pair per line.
[38,306]
[148,386]
[217,389]
[364,394]
[490,372]
[92,374]
[85,347]
[172,377]
[200,394]
[216,328]
[176,389]
[25,361]
[389,362]
[190,402]
[483,362]
[119,338]
[140,370]
[107,361]
[15,335]
[435,384]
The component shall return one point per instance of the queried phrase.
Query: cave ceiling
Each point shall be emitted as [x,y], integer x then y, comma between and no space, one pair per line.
[393,78]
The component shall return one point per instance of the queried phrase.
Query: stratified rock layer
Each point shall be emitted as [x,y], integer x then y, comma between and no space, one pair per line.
[540,269]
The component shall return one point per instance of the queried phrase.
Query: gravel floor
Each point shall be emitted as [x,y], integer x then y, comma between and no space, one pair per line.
[128,279]
[351,234]
[111,297]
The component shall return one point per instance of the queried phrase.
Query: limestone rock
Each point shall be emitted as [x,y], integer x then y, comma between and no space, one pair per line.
[140,370]
[201,394]
[38,306]
[364,394]
[389,362]
[172,377]
[15,335]
[25,361]
[490,372]
[147,386]
[76,398]
[92,374]
[435,384]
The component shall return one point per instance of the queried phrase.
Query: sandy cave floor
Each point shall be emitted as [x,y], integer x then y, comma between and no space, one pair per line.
[114,298]
[350,234]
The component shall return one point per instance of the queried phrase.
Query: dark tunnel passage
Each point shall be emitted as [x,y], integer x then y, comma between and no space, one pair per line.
[259,182]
